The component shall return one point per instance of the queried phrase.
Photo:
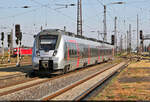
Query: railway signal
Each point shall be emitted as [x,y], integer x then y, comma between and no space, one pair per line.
[18,35]
[141,34]
[2,40]
[9,39]
[9,43]
[141,38]
[2,36]
[17,30]
[112,39]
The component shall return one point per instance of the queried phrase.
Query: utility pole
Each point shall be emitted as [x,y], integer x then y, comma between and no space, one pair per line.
[121,42]
[2,41]
[142,46]
[79,18]
[105,26]
[128,41]
[125,44]
[41,28]
[18,35]
[130,38]
[115,33]
[137,34]
[11,45]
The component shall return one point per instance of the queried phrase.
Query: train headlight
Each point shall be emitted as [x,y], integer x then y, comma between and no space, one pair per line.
[55,52]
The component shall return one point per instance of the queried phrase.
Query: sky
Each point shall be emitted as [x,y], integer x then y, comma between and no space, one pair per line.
[51,14]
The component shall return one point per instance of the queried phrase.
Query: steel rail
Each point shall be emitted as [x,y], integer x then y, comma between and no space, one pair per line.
[74,85]
[80,97]
[13,64]
[46,80]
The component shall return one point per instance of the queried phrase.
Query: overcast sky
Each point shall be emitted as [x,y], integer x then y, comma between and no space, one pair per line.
[47,13]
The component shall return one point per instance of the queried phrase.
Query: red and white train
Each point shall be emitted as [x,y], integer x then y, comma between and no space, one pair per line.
[57,50]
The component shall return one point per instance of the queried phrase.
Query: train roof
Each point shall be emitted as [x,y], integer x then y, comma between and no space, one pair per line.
[58,31]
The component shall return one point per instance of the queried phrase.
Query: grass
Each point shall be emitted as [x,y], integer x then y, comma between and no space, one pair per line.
[128,91]
[110,97]
[133,97]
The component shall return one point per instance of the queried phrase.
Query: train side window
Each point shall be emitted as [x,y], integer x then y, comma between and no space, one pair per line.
[75,50]
[72,50]
[80,49]
[87,50]
[109,51]
[104,52]
[100,53]
[65,50]
[96,52]
[91,51]
[83,53]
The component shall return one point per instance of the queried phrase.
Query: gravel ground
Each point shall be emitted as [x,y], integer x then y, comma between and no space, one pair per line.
[15,80]
[4,72]
[41,90]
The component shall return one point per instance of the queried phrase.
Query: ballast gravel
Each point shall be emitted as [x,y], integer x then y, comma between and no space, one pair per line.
[47,88]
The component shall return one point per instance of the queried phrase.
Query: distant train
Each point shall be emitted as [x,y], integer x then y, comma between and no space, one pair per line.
[22,51]
[57,50]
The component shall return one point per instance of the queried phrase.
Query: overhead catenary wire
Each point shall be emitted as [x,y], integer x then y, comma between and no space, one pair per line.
[72,20]
[19,14]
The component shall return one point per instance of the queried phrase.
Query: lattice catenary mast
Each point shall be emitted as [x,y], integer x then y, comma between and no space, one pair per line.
[79,18]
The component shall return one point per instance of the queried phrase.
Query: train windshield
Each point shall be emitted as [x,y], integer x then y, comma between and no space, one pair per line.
[48,42]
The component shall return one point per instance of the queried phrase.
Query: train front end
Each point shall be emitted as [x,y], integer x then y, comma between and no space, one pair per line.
[47,53]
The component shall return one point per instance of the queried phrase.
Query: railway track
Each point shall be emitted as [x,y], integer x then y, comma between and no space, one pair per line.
[37,81]
[20,85]
[100,85]
[9,76]
[80,89]
[14,64]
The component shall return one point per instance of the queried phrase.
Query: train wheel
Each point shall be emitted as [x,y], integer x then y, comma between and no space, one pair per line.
[66,69]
